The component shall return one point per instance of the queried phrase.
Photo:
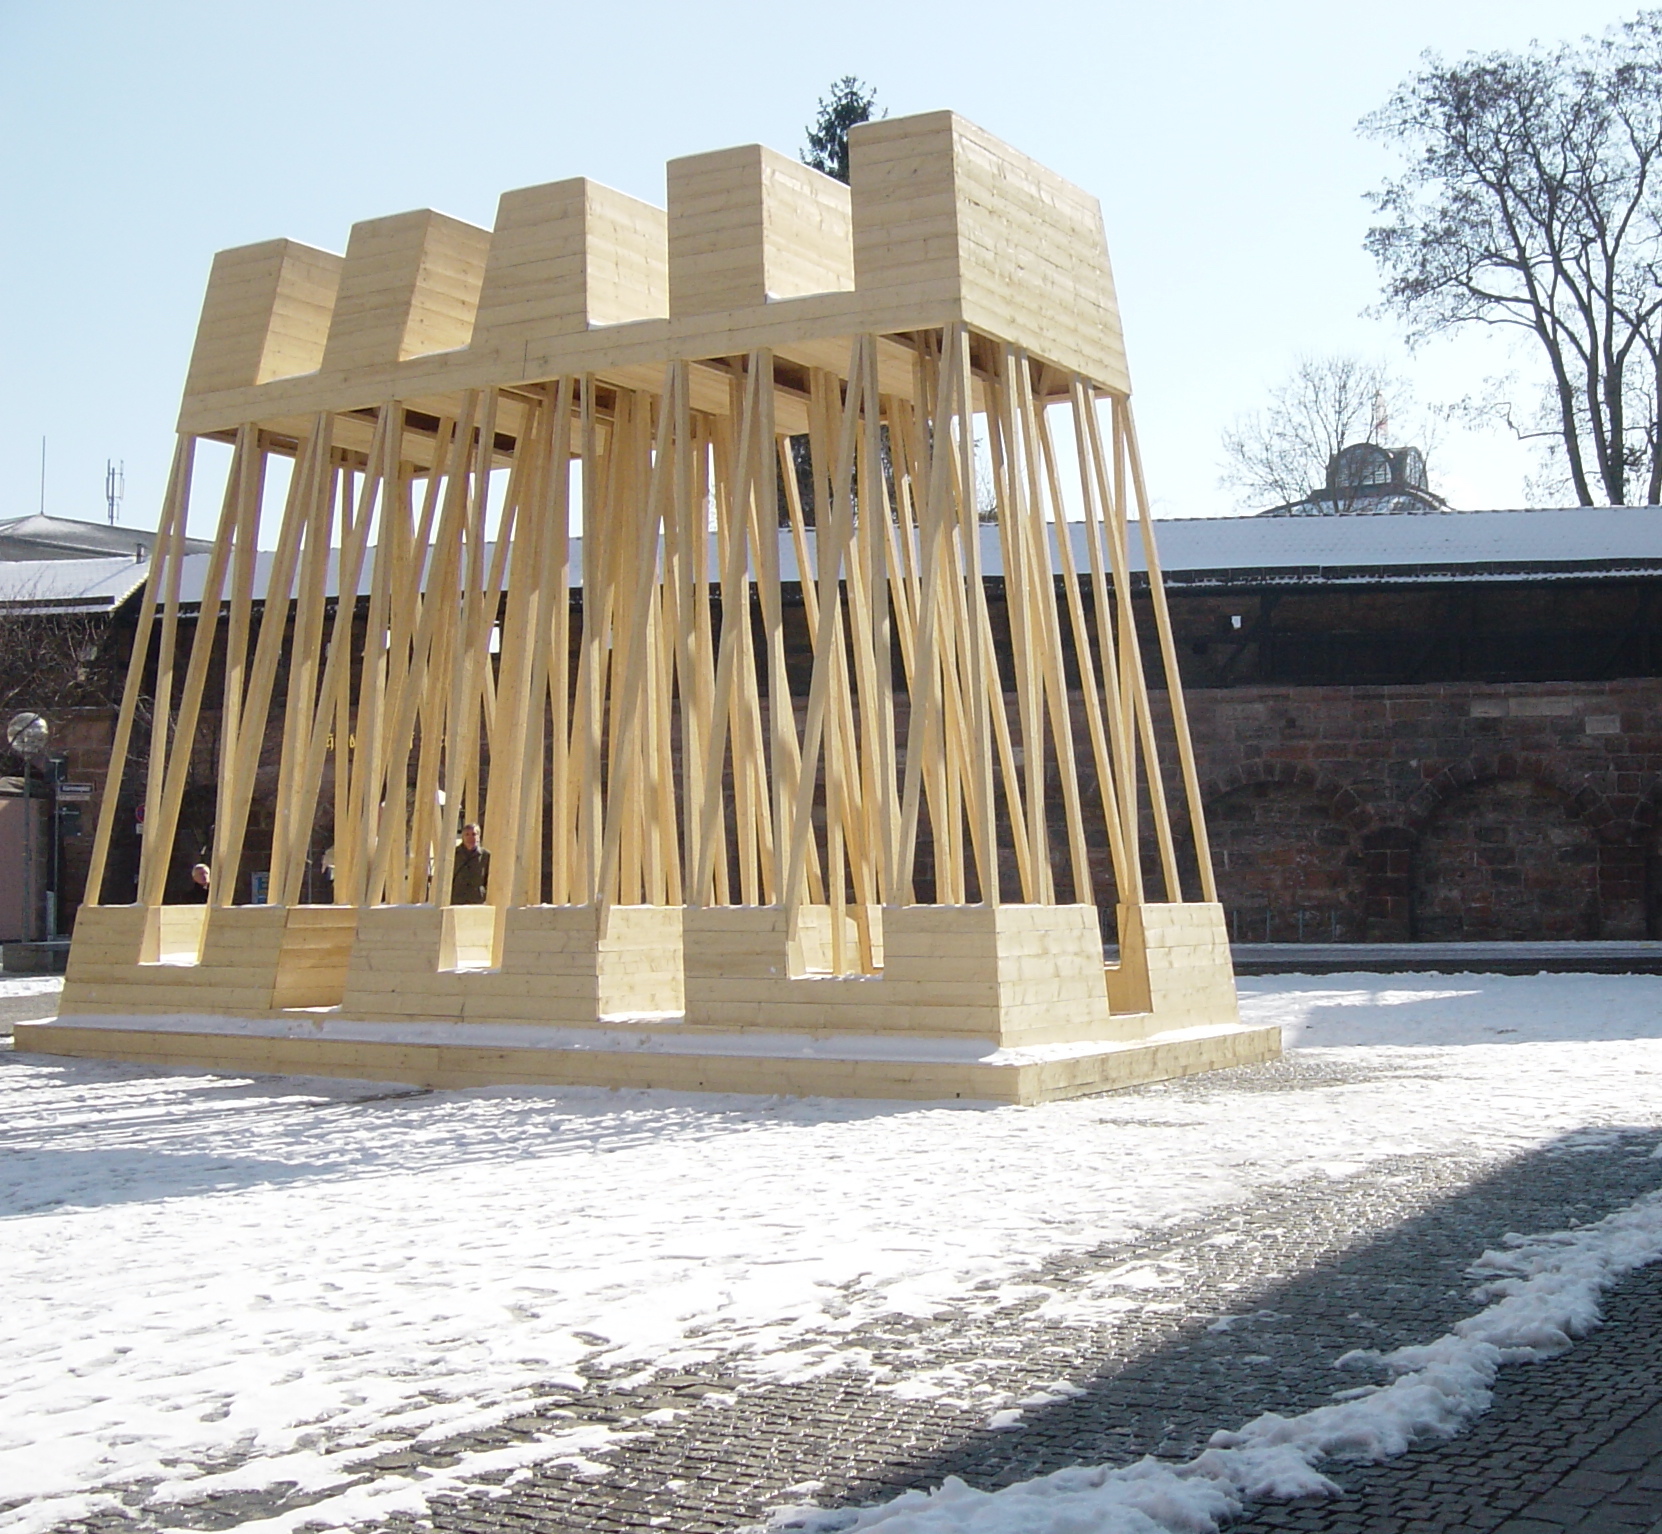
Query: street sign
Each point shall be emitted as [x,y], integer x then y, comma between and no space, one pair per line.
[74,790]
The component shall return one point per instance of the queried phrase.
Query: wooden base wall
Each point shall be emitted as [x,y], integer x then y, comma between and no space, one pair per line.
[243,961]
[1009,1004]
[1174,965]
[424,962]
[1014,974]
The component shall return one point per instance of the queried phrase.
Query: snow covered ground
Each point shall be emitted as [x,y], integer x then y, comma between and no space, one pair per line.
[214,1282]
[27,996]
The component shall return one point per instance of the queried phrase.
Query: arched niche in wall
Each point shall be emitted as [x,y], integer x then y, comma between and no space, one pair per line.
[1289,868]
[1506,859]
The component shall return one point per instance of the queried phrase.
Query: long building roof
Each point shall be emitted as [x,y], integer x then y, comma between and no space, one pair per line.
[1233,553]
[1579,542]
[69,585]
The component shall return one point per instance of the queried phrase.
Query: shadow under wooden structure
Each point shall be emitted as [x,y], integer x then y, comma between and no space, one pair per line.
[706,857]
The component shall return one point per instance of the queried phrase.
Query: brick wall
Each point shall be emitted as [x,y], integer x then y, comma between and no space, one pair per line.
[1434,811]
[1407,810]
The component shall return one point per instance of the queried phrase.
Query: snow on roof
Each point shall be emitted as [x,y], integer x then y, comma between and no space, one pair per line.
[36,537]
[1578,541]
[70,585]
[1463,545]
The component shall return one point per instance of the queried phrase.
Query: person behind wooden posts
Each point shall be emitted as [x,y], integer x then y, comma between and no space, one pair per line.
[471,876]
[197,894]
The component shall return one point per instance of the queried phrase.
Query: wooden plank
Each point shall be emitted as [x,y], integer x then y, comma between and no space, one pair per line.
[311,463]
[1168,655]
[155,851]
[162,817]
[330,716]
[174,503]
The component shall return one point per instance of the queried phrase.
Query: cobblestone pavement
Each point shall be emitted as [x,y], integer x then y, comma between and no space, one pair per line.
[1575,1442]
[1306,1272]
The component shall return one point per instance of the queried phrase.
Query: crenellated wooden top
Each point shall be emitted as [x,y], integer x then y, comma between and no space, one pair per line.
[941,223]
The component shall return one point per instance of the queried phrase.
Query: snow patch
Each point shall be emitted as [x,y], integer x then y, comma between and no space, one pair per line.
[1544,1291]
[1438,1010]
[30,985]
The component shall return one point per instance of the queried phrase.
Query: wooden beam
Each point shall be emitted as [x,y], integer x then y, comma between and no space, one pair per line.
[174,502]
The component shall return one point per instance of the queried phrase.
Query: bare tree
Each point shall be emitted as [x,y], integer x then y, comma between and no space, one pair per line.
[1531,202]
[1280,453]
[52,659]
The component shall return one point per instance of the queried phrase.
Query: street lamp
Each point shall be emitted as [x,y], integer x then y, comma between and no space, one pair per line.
[27,734]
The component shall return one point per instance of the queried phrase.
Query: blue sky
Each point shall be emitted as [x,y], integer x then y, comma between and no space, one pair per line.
[1220,139]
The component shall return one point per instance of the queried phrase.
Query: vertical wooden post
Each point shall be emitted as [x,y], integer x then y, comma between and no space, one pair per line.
[292,823]
[331,709]
[173,512]
[1128,870]
[1049,623]
[557,587]
[1080,630]
[623,789]
[162,819]
[311,463]
[246,535]
[926,727]
[355,830]
[156,848]
[980,676]
[1174,679]
[419,696]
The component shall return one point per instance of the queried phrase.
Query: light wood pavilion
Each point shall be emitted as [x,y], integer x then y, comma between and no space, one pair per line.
[706,870]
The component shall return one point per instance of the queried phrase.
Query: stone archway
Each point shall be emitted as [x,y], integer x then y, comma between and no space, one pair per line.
[1289,866]
[1506,859]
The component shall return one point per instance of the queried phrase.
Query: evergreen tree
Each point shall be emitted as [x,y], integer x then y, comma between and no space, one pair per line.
[851,101]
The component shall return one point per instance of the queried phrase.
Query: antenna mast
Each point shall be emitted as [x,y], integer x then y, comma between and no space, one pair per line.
[115,487]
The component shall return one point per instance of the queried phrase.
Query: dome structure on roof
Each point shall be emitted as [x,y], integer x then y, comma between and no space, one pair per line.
[1365,479]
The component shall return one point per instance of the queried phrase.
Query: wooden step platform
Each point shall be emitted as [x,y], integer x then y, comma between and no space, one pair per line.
[1006,1004]
[650,1054]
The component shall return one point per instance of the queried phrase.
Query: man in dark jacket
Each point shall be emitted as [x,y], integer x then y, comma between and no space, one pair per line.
[472,873]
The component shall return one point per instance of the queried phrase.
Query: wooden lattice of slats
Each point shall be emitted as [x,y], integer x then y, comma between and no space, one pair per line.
[672,533]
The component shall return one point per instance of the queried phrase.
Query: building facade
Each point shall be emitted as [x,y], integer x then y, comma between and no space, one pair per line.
[1440,727]
[1411,725]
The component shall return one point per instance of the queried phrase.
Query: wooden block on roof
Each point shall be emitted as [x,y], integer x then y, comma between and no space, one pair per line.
[409,287]
[943,211]
[748,225]
[569,255]
[265,315]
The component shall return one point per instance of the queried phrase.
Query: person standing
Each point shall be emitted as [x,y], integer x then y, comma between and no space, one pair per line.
[471,875]
[198,892]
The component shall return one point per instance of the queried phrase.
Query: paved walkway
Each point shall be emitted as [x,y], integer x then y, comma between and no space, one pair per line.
[1377,1260]
[1609,957]
[1306,1272]
[1573,1443]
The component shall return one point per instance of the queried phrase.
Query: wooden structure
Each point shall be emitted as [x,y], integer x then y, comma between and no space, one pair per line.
[706,857]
